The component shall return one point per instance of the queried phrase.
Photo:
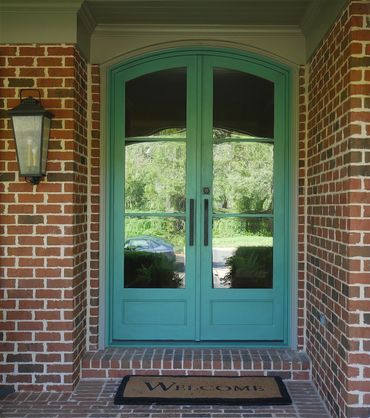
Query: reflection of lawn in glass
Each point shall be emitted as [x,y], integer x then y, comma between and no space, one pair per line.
[242,241]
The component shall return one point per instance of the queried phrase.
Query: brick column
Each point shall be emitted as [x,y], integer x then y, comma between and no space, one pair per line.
[302,187]
[43,229]
[95,209]
[338,229]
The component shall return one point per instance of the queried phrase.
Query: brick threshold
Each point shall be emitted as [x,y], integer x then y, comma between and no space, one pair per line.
[113,363]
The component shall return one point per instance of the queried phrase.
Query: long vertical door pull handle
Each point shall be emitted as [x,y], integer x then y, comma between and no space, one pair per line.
[206,209]
[192,221]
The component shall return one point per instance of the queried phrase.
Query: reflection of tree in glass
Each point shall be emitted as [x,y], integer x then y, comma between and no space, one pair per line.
[155,174]
[155,177]
[243,177]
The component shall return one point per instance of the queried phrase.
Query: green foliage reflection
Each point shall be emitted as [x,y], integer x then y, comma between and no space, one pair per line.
[250,267]
[243,177]
[155,177]
[150,270]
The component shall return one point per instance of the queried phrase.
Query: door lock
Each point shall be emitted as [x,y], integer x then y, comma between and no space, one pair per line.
[206,190]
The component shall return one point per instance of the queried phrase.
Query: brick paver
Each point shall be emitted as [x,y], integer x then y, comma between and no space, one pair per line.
[95,399]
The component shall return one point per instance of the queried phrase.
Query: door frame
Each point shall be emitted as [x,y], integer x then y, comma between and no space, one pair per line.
[112,72]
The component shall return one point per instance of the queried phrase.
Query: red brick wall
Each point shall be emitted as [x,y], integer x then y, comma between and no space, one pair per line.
[338,209]
[43,229]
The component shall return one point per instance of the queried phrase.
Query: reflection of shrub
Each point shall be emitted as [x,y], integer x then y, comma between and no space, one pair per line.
[163,228]
[250,267]
[230,227]
[143,269]
[227,228]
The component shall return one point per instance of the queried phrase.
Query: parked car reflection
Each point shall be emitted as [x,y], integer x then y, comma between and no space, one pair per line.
[151,244]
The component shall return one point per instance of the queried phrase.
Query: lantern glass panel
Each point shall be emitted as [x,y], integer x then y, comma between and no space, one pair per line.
[28,141]
[45,142]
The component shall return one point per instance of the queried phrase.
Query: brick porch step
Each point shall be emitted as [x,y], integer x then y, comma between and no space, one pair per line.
[113,363]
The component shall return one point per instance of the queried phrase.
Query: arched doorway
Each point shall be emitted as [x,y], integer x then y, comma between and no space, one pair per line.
[199,198]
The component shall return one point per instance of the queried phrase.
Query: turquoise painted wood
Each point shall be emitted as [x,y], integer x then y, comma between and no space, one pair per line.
[199,312]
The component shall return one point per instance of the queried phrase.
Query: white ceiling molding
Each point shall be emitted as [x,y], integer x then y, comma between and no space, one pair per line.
[145,30]
[37,6]
[87,19]
[107,43]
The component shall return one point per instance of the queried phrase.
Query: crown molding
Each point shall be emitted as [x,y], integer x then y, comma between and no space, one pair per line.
[37,6]
[86,18]
[113,30]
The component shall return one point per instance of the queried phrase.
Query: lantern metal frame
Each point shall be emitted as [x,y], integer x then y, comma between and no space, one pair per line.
[30,106]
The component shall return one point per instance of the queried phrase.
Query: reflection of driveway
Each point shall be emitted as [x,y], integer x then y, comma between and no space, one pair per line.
[220,255]
[180,258]
[180,262]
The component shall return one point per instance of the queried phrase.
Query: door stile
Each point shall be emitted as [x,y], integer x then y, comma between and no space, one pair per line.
[117,207]
[192,110]
[282,214]
[197,156]
[206,182]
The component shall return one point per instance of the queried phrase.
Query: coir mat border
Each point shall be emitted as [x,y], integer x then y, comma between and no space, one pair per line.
[120,399]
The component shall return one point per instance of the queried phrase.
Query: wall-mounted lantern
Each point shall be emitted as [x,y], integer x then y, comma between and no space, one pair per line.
[31,127]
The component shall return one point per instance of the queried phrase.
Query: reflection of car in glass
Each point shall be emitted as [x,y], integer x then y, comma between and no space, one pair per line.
[150,245]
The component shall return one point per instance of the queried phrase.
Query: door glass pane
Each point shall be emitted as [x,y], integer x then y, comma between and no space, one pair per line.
[243,177]
[243,105]
[242,253]
[155,176]
[154,253]
[156,104]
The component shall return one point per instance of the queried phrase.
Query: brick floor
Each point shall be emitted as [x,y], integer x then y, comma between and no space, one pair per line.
[95,399]
[118,362]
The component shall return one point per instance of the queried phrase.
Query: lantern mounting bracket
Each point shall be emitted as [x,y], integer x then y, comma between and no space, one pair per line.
[34,180]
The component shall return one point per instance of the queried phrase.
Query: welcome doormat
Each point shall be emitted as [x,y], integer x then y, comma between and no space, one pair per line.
[224,390]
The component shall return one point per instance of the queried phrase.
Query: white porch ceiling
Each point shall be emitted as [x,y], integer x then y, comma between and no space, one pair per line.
[55,20]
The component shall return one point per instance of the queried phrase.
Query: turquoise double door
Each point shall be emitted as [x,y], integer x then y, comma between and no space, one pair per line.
[199,202]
